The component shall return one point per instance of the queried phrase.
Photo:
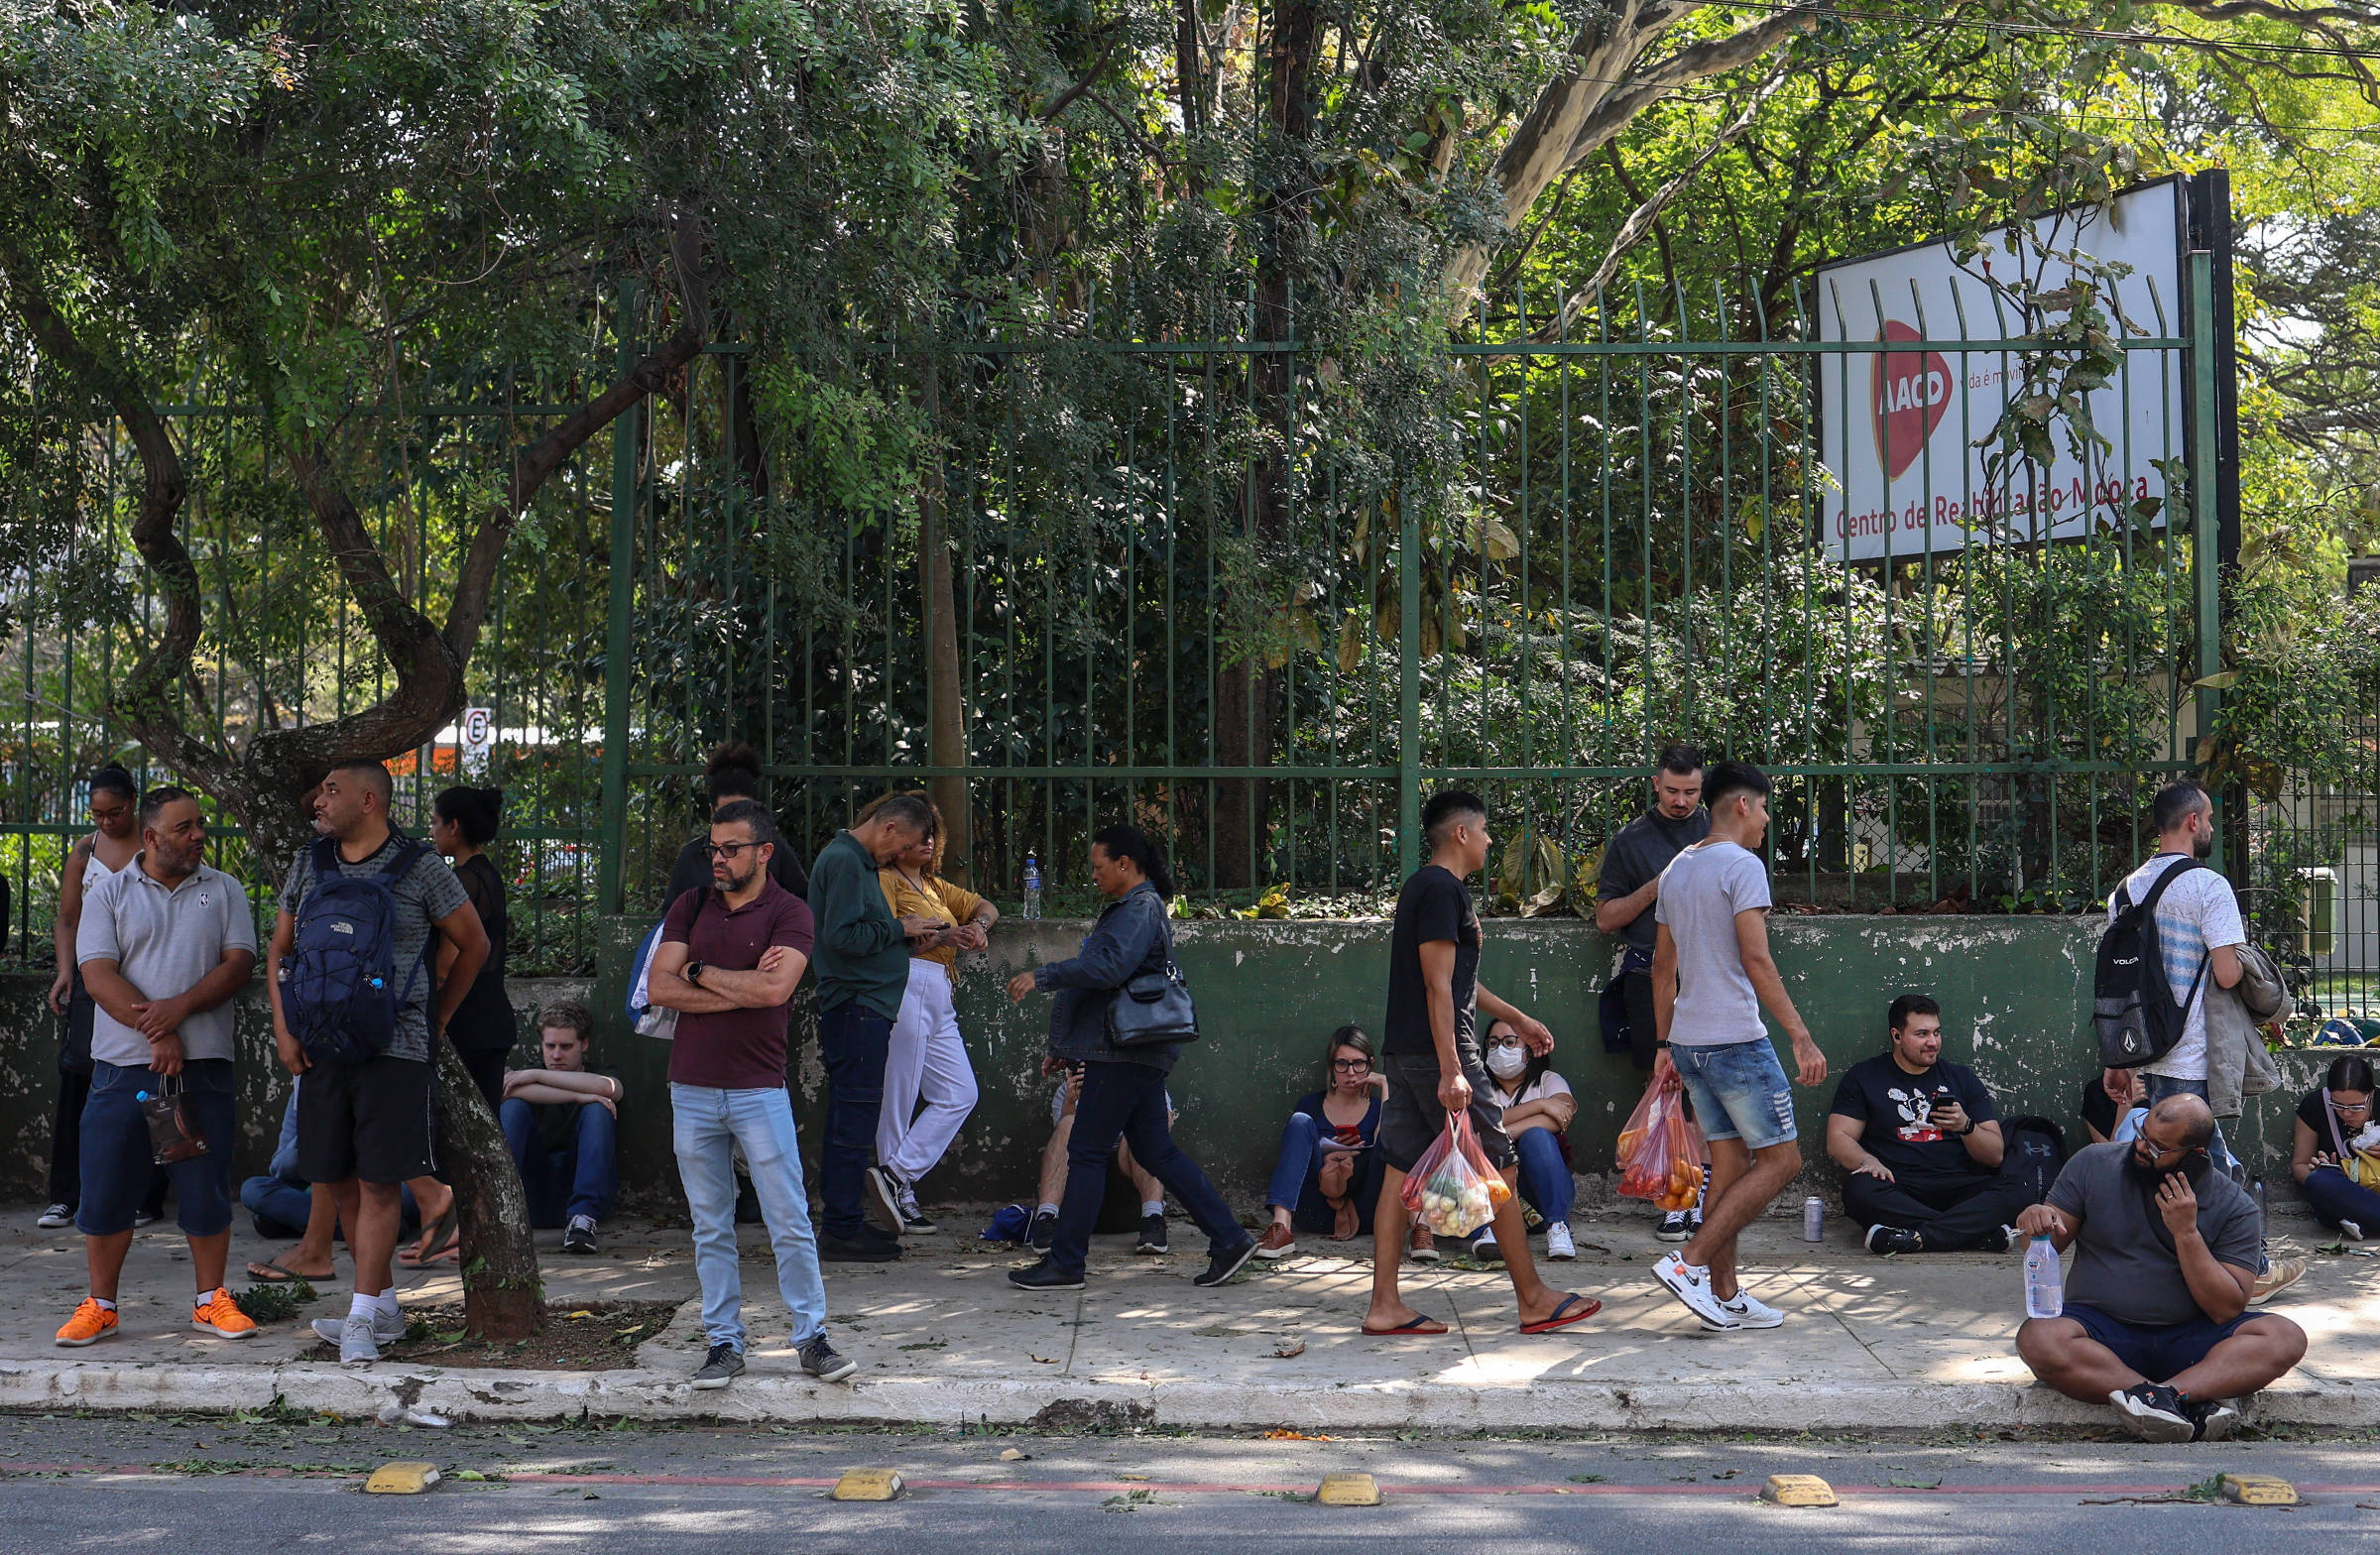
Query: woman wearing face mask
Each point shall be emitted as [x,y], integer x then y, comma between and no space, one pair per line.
[2337,1156]
[1328,1176]
[1537,1107]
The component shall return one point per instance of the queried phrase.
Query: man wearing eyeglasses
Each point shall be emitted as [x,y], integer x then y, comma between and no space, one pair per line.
[729,960]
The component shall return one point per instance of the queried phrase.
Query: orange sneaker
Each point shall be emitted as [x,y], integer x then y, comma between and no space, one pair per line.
[90,1324]
[219,1314]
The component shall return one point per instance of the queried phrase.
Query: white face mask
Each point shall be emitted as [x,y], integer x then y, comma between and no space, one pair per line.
[1505,1062]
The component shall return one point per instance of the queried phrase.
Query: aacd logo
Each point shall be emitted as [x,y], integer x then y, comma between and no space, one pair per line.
[1912,391]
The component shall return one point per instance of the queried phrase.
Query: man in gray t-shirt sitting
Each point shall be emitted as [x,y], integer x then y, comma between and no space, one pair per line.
[2157,1319]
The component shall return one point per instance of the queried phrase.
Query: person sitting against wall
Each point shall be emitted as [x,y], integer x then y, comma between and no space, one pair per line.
[1147,1202]
[1538,1106]
[2337,1160]
[281,1204]
[1919,1139]
[1327,1177]
[563,1124]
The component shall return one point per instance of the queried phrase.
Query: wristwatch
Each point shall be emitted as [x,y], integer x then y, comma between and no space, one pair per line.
[695,972]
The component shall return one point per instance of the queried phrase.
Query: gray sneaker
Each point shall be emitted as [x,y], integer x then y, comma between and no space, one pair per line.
[384,1330]
[357,1346]
[721,1366]
[823,1361]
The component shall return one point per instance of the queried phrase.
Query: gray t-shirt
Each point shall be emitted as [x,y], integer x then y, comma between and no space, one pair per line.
[1702,890]
[429,891]
[163,942]
[2125,1259]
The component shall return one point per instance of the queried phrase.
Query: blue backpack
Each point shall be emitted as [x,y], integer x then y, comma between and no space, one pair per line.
[338,987]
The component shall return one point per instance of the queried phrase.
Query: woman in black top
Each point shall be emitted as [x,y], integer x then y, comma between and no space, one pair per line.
[462,822]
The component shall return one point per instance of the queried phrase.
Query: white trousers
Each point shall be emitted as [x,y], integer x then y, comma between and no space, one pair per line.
[927,1061]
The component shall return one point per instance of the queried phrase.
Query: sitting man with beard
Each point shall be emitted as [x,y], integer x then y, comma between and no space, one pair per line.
[2157,1319]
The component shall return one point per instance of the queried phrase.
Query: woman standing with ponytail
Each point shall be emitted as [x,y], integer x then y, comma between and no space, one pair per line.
[462,822]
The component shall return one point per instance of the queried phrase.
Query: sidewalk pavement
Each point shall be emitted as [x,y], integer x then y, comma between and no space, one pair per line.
[1871,1344]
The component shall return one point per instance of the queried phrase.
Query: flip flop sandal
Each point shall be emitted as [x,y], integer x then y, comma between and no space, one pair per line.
[436,1241]
[269,1271]
[1564,1315]
[1419,1326]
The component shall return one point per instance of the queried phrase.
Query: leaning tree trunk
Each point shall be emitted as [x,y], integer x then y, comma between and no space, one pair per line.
[503,1295]
[946,693]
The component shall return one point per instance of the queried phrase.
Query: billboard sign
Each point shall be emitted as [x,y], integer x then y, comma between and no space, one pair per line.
[1900,428]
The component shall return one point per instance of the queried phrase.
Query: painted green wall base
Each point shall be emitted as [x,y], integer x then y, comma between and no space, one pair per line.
[2013,992]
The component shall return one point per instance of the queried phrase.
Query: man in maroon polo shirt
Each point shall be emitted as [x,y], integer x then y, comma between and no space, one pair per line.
[729,960]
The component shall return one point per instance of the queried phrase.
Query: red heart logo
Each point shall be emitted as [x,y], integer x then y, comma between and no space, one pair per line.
[1911,391]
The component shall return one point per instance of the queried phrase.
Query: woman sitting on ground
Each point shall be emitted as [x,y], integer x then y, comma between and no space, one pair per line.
[1328,1176]
[1537,1107]
[2337,1156]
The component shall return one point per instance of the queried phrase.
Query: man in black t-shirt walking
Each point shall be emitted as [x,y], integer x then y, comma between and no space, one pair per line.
[1430,1055]
[1919,1137]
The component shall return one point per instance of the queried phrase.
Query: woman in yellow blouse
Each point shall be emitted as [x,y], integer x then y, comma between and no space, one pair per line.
[929,1057]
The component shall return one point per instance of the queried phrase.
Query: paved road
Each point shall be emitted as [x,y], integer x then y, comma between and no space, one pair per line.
[70,1484]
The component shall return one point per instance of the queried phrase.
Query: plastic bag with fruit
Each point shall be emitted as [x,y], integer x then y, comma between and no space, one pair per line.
[1660,1153]
[1452,1190]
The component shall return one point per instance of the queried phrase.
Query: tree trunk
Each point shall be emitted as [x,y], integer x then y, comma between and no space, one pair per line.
[503,1294]
[946,703]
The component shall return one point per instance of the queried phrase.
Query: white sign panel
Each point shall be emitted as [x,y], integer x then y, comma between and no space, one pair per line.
[1898,428]
[478,737]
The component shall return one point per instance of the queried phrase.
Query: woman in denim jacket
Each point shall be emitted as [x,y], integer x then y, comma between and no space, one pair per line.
[1124,1089]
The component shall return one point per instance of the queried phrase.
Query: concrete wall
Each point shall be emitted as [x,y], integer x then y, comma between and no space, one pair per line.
[2013,992]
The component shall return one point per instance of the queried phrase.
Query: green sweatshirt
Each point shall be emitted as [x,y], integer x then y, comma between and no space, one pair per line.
[860,952]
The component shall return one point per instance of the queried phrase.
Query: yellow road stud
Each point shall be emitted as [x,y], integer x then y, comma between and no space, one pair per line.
[1348,1490]
[867,1484]
[2258,1489]
[402,1478]
[1798,1489]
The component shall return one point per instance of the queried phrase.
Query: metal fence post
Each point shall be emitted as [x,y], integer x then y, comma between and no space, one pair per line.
[2205,548]
[626,434]
[1408,689]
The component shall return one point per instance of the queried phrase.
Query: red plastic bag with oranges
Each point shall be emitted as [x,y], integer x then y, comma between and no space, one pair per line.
[1661,1151]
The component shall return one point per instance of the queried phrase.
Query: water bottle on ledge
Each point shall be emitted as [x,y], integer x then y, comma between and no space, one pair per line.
[1033,887]
[2045,1282]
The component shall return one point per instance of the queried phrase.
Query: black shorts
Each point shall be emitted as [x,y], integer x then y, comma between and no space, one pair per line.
[370,1121]
[1412,1115]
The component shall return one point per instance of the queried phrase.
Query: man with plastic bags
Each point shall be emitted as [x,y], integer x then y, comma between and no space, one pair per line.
[1440,1143]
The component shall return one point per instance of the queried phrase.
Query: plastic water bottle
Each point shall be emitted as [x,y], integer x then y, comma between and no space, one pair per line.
[1033,887]
[2045,1283]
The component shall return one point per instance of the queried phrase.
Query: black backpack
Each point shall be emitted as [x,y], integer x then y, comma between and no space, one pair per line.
[2132,1005]
[2034,1153]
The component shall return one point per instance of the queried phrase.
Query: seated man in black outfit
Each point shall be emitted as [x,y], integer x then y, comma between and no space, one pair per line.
[1918,1136]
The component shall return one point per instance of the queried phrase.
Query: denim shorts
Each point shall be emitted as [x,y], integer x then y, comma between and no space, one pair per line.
[118,1158]
[1740,1092]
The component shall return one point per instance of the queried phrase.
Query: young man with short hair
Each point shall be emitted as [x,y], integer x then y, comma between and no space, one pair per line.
[563,1124]
[2157,1319]
[729,960]
[1920,1136]
[1713,974]
[364,1125]
[1430,1055]
[863,976]
[163,945]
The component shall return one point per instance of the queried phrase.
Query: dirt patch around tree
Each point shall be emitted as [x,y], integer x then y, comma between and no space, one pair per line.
[592,1335]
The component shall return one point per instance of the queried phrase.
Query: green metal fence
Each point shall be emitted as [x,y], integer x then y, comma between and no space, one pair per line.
[1194,601]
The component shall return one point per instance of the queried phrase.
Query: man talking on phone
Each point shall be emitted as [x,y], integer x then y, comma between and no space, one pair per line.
[1919,1139]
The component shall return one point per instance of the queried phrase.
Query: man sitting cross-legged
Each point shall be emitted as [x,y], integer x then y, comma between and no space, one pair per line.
[563,1124]
[2156,1318]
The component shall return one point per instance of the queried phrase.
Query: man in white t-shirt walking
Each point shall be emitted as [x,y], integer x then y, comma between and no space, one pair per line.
[1711,977]
[2199,935]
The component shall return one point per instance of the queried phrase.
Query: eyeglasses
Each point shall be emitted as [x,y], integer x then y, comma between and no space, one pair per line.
[2363,1106]
[1351,1065]
[1503,1041]
[728,849]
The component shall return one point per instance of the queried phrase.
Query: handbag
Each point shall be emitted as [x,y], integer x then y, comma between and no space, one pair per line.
[174,1133]
[1152,1009]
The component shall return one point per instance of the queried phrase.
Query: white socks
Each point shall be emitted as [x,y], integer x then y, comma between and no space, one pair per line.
[1047,1209]
[382,1305]
[1150,1207]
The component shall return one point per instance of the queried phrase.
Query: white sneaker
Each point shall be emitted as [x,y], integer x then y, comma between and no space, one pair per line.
[2350,1229]
[1749,1311]
[386,1329]
[358,1345]
[1557,1241]
[1692,1285]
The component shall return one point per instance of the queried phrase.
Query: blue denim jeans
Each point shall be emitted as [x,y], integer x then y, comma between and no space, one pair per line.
[1545,1178]
[582,1177]
[1740,1092]
[2157,1087]
[2334,1197]
[706,1126]
[1297,1179]
[854,1042]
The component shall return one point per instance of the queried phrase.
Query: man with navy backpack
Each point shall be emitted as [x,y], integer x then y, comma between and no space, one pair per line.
[2188,927]
[356,1006]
